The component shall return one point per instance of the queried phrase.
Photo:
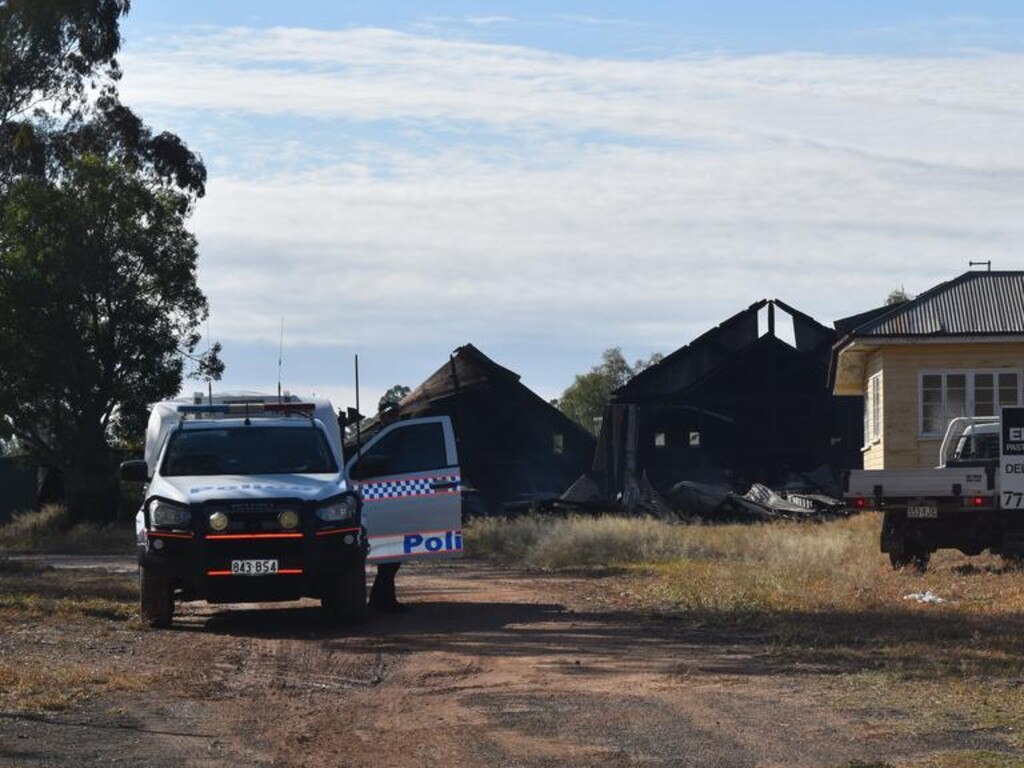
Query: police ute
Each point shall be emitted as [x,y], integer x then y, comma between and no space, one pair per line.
[249,499]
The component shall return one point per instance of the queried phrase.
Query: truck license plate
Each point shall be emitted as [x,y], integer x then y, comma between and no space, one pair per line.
[253,567]
[923,510]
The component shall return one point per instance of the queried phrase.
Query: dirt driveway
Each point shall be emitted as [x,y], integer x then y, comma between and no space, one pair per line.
[491,668]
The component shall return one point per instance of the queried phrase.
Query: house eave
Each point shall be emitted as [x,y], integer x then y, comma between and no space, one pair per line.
[852,357]
[850,363]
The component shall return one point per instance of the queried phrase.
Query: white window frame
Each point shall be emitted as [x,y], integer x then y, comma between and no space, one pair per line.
[969,400]
[873,410]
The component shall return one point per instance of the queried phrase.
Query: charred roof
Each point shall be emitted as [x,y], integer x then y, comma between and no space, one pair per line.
[765,321]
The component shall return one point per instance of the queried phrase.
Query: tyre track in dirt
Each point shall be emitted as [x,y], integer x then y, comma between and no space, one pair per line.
[496,667]
[492,667]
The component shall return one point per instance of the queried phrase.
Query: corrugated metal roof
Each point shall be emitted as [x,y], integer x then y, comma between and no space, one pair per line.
[975,303]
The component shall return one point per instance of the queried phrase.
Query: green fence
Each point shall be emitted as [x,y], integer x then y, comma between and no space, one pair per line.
[17,487]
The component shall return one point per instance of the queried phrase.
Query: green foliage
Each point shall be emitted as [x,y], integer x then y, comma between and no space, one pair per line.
[98,293]
[392,397]
[586,397]
[54,49]
[897,296]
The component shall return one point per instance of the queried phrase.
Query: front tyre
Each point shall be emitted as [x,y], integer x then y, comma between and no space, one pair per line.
[156,600]
[346,598]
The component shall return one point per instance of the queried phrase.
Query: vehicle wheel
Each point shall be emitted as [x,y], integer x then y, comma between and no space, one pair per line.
[916,560]
[156,601]
[346,599]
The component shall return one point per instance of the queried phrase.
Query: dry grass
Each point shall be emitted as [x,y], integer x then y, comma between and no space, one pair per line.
[62,635]
[65,595]
[50,531]
[813,598]
[972,759]
[752,569]
[34,685]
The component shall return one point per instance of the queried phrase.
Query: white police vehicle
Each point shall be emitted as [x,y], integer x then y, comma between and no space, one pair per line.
[249,500]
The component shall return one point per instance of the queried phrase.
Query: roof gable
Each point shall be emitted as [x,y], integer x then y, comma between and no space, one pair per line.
[760,322]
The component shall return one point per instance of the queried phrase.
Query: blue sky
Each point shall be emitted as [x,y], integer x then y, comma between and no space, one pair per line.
[549,179]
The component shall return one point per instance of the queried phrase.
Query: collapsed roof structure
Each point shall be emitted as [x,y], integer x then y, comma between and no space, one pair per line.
[514,447]
[747,402]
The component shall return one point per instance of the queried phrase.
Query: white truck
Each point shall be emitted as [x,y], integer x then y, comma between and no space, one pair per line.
[248,499]
[972,501]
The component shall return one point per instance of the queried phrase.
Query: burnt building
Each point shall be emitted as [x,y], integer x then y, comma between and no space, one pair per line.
[746,402]
[514,447]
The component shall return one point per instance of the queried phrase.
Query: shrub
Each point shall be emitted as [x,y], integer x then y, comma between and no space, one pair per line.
[49,530]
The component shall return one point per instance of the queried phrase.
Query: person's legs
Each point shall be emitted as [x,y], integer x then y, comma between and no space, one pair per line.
[382,593]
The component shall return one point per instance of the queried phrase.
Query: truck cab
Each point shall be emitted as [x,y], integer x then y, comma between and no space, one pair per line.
[970,442]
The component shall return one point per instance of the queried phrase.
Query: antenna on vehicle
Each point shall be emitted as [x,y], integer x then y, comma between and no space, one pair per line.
[280,358]
[987,264]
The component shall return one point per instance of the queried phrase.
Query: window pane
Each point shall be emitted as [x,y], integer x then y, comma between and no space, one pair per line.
[931,397]
[984,394]
[1008,389]
[876,409]
[931,404]
[413,448]
[956,396]
[931,419]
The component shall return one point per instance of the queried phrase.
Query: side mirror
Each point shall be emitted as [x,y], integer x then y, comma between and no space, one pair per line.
[134,471]
[372,465]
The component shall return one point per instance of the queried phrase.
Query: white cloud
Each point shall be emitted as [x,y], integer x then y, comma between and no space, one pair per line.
[597,21]
[578,201]
[473,21]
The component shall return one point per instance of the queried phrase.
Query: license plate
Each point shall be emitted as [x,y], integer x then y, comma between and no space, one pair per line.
[253,567]
[923,510]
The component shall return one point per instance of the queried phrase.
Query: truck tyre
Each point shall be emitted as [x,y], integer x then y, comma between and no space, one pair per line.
[156,601]
[916,560]
[346,598]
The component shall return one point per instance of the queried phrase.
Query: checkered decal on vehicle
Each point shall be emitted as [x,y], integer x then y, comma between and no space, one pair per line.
[409,486]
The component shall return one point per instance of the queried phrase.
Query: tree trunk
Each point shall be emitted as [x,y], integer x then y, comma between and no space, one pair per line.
[91,496]
[91,487]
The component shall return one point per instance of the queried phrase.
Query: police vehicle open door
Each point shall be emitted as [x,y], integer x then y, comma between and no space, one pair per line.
[410,480]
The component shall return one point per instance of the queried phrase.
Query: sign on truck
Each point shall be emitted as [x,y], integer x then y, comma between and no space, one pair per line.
[1011,459]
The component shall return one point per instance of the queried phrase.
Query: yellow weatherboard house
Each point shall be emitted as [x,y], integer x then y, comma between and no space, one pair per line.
[955,350]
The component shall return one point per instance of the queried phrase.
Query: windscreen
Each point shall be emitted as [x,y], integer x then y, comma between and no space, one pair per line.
[248,451]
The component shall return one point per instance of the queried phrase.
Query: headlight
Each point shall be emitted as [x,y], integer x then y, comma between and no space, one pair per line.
[167,515]
[338,509]
[288,519]
[218,521]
